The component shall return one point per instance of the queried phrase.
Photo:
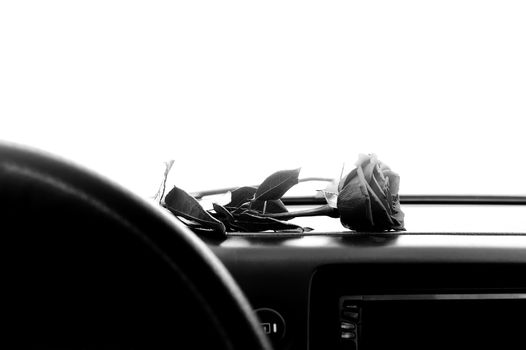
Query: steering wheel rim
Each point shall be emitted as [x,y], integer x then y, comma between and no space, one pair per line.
[187,256]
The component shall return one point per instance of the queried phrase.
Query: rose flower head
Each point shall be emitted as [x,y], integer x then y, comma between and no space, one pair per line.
[368,197]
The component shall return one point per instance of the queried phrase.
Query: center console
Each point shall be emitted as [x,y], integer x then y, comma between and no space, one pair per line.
[376,307]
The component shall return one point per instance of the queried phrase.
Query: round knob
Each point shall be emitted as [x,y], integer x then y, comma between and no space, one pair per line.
[272,322]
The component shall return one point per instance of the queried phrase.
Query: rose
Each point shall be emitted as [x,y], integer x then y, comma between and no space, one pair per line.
[368,197]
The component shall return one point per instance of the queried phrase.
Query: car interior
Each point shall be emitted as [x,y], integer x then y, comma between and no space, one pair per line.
[102,101]
[88,264]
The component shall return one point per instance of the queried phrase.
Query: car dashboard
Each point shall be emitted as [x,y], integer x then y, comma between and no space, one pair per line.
[416,289]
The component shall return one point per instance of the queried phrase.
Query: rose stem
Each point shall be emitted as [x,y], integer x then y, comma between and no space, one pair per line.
[324,210]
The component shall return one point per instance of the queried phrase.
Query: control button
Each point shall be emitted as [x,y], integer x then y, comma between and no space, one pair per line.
[348,335]
[347,325]
[350,315]
[272,322]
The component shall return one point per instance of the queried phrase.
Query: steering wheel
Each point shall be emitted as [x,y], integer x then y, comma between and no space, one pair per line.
[88,265]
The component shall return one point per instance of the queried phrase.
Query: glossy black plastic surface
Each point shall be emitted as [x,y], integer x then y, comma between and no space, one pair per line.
[297,275]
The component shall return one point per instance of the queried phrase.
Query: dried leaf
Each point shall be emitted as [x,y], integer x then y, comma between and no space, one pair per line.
[182,204]
[275,186]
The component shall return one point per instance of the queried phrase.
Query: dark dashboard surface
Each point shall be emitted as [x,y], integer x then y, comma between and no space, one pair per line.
[300,276]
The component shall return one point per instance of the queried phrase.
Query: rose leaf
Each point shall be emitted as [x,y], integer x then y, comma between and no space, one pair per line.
[182,204]
[251,222]
[275,186]
[222,213]
[241,195]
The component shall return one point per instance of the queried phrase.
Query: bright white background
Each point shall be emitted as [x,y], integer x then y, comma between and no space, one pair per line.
[234,90]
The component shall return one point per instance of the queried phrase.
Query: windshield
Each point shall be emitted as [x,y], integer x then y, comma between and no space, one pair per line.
[235,90]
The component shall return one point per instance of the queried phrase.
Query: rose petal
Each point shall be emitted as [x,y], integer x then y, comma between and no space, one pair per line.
[368,165]
[362,160]
[394,181]
[381,215]
[380,208]
[397,215]
[384,167]
[368,171]
[380,218]
[345,181]
[364,188]
[381,189]
[354,203]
